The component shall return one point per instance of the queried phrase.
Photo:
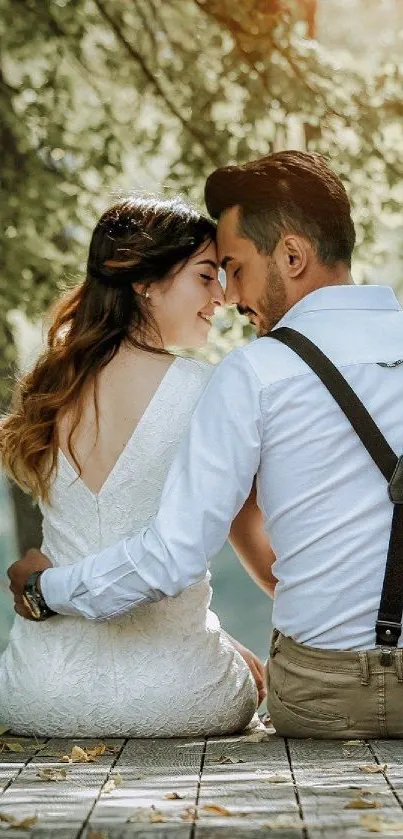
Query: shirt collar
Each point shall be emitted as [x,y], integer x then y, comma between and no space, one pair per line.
[343,297]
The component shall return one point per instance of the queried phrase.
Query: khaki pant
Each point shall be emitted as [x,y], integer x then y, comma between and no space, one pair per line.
[331,694]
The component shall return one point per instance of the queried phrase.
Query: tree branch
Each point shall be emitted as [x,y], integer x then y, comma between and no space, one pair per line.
[82,67]
[138,58]
[146,24]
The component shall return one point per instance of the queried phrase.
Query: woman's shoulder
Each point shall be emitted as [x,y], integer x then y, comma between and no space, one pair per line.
[196,370]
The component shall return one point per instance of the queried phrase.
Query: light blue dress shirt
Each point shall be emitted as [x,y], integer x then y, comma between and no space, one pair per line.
[325,503]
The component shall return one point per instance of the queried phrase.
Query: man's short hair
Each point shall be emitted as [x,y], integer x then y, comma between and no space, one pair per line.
[287,192]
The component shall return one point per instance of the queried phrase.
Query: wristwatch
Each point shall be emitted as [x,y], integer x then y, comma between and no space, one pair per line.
[34,599]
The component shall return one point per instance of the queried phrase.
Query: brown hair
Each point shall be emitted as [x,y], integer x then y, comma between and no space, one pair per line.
[139,240]
[288,191]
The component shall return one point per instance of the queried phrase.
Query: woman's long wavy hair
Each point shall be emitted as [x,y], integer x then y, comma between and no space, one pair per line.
[135,243]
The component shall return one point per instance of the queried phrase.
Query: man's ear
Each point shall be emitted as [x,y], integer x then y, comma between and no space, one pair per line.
[294,255]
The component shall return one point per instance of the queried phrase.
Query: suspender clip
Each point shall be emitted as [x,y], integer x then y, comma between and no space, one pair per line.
[387,633]
[395,485]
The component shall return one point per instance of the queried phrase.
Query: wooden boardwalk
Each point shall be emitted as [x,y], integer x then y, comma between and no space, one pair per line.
[255,786]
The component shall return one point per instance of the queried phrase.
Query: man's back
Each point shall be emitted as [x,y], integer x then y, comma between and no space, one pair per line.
[325,502]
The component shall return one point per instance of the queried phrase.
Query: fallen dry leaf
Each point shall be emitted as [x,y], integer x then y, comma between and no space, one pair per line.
[96,751]
[372,823]
[276,779]
[361,804]
[216,810]
[5,817]
[101,749]
[227,759]
[373,768]
[52,774]
[158,818]
[377,825]
[148,815]
[11,747]
[109,786]
[173,796]
[26,823]
[353,743]
[3,729]
[258,737]
[93,834]
[189,815]
[113,783]
[78,755]
[22,824]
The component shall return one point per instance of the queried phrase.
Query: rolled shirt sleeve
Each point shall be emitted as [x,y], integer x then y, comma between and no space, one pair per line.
[207,485]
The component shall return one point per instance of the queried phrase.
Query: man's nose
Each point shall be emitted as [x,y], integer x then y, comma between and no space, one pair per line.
[217,293]
[232,296]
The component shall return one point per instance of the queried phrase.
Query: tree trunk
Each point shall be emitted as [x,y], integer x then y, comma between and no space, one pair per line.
[28,519]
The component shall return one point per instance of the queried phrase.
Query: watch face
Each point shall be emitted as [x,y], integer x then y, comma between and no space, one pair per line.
[32,605]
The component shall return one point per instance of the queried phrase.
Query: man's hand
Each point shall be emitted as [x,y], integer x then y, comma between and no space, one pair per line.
[18,574]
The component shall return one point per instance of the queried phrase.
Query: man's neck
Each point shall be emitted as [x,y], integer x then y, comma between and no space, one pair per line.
[324,277]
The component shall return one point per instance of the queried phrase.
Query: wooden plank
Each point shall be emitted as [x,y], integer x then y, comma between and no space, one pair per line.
[132,831]
[391,753]
[150,770]
[256,789]
[13,762]
[135,831]
[328,777]
[62,806]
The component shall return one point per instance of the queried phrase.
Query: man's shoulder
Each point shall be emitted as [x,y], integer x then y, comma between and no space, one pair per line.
[270,360]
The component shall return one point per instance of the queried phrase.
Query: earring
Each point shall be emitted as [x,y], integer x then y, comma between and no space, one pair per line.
[147,295]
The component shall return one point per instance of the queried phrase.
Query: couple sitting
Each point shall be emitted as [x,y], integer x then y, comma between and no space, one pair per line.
[144,463]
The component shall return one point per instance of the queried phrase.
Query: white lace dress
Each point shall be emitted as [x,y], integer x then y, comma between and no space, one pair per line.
[165,669]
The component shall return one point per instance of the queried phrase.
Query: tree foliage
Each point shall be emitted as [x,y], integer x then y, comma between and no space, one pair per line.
[98,96]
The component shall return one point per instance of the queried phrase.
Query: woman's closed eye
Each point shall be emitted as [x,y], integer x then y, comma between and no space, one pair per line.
[208,278]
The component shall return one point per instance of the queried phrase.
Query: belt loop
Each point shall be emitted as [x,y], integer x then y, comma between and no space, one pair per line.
[399,665]
[364,667]
[275,643]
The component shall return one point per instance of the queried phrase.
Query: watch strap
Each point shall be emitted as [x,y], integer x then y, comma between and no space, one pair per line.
[33,593]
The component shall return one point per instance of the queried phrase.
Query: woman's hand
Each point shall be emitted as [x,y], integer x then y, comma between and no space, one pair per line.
[255,665]
[252,546]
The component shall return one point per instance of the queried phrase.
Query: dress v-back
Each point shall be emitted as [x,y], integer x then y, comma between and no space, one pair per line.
[165,669]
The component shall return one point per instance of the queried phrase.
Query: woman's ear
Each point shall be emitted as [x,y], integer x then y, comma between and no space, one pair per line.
[142,290]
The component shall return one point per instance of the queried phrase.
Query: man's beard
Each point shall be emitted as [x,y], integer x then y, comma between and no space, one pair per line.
[273,304]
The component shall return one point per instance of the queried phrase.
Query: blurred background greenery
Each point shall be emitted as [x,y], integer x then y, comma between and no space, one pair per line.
[99,97]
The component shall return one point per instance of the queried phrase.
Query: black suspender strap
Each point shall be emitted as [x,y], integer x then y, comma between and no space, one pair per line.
[389,622]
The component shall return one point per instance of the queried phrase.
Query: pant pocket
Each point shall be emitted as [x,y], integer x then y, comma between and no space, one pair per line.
[294,720]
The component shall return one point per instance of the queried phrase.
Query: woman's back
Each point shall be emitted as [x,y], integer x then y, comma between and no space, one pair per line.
[165,669]
[144,409]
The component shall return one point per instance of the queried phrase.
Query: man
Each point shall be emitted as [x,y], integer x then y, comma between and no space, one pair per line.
[285,239]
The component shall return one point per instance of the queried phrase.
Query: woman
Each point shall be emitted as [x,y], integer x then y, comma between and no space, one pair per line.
[92,434]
